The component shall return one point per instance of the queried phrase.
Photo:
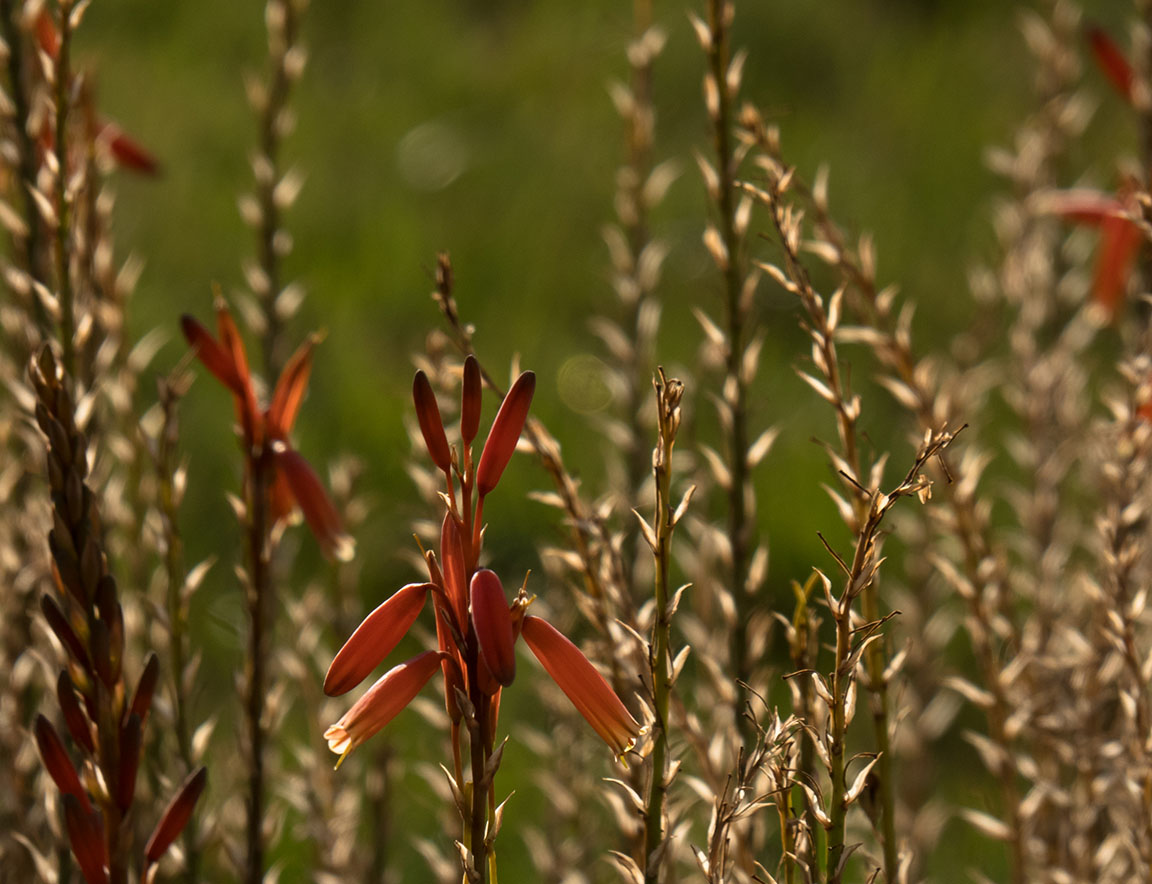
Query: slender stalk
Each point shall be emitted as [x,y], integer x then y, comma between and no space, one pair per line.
[171,390]
[256,596]
[841,678]
[31,244]
[668,394]
[271,245]
[63,76]
[735,392]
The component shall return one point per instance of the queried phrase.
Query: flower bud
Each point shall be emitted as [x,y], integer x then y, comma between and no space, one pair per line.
[493,624]
[505,432]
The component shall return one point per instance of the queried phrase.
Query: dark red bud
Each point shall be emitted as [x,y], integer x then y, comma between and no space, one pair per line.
[505,432]
[57,762]
[74,716]
[145,689]
[470,400]
[86,836]
[431,424]
[58,623]
[131,739]
[176,816]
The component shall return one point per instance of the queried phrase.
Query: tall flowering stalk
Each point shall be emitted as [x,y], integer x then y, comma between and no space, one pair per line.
[103,714]
[659,537]
[276,480]
[476,627]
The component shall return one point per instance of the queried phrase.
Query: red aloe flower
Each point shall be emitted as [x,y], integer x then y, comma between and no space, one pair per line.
[476,626]
[1120,236]
[584,685]
[383,701]
[265,433]
[126,151]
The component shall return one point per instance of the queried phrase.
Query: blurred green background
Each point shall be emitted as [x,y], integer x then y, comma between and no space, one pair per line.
[485,128]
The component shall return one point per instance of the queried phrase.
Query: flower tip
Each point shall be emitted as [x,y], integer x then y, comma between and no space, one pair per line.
[338,741]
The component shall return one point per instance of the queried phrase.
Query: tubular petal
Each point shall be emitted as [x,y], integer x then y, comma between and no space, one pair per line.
[451,666]
[431,424]
[383,701]
[318,510]
[214,357]
[246,408]
[505,432]
[455,575]
[375,638]
[1112,62]
[583,684]
[127,151]
[1119,245]
[493,624]
[290,389]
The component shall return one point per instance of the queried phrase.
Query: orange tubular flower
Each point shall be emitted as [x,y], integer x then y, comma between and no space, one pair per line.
[476,626]
[375,638]
[584,685]
[292,483]
[383,701]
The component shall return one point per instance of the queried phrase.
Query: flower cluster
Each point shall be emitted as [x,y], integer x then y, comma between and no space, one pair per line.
[264,432]
[476,626]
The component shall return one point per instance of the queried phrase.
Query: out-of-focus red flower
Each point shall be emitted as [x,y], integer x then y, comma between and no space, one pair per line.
[1113,63]
[1120,236]
[125,150]
[292,482]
